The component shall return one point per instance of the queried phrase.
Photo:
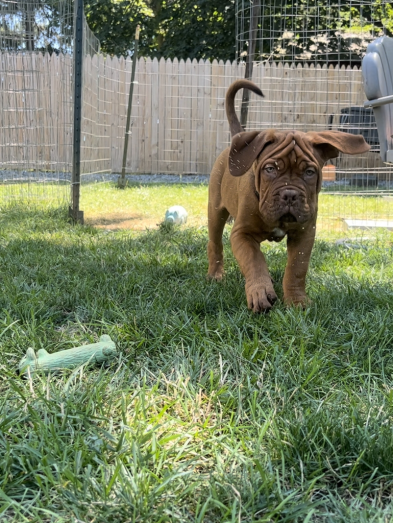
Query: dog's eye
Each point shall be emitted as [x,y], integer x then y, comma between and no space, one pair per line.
[309,172]
[270,169]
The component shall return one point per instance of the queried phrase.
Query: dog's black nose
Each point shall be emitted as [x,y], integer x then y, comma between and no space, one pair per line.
[289,196]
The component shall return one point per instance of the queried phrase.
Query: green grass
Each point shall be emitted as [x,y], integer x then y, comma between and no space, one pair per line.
[57,193]
[210,413]
[139,207]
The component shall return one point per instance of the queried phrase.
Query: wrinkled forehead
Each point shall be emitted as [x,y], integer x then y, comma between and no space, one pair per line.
[288,150]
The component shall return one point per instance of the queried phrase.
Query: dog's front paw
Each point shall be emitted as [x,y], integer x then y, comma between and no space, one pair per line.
[216,276]
[216,273]
[297,300]
[260,298]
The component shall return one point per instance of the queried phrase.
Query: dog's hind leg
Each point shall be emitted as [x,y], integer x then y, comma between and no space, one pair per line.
[217,218]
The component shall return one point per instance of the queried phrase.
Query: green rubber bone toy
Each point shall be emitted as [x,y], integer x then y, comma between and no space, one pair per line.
[99,352]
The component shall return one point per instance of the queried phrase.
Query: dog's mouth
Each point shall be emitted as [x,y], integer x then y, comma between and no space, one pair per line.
[288,218]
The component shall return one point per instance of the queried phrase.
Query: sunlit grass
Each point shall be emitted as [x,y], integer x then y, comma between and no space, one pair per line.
[141,207]
[39,193]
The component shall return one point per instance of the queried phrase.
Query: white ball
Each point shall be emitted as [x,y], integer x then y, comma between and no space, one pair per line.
[176,215]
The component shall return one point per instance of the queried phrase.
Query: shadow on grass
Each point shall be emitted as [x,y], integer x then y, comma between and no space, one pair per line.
[18,216]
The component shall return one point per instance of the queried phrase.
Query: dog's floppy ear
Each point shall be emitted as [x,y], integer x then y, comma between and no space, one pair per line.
[330,143]
[245,147]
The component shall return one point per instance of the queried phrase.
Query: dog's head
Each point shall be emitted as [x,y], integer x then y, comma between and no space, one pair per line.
[288,168]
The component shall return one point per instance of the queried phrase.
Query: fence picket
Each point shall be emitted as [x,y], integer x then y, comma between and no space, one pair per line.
[204,163]
[174,117]
[187,115]
[182,121]
[163,65]
[155,115]
[141,105]
[168,120]
[147,116]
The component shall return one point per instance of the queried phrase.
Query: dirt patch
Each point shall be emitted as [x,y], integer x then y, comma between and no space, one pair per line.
[121,221]
[136,221]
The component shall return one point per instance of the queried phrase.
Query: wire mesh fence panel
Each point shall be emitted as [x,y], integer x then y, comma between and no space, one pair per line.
[312,31]
[178,121]
[308,66]
[97,100]
[308,97]
[36,99]
[307,61]
[306,57]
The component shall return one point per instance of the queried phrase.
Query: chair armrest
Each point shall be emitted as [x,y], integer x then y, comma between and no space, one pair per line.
[379,101]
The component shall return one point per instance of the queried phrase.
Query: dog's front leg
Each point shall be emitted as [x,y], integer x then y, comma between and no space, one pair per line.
[259,288]
[299,247]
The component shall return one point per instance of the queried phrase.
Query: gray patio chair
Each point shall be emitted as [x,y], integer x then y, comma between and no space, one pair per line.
[377,70]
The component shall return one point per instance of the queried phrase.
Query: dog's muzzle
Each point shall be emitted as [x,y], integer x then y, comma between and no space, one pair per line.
[291,206]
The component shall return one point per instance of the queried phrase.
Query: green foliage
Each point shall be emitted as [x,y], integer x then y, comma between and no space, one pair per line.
[187,29]
[198,29]
[203,29]
[114,23]
[36,25]
[206,29]
[314,30]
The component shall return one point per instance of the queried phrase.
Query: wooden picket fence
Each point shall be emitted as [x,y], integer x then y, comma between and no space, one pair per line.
[35,111]
[178,118]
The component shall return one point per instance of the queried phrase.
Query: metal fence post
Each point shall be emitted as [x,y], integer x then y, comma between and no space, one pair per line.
[255,12]
[75,213]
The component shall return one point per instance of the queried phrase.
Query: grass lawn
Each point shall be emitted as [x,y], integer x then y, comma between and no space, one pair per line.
[143,206]
[140,207]
[210,414]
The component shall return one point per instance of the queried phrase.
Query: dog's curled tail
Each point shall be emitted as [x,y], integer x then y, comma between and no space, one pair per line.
[233,120]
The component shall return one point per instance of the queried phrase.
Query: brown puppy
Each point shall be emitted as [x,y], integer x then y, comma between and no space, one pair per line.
[269,182]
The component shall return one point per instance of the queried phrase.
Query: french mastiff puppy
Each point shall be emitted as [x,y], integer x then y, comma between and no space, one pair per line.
[269,181]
